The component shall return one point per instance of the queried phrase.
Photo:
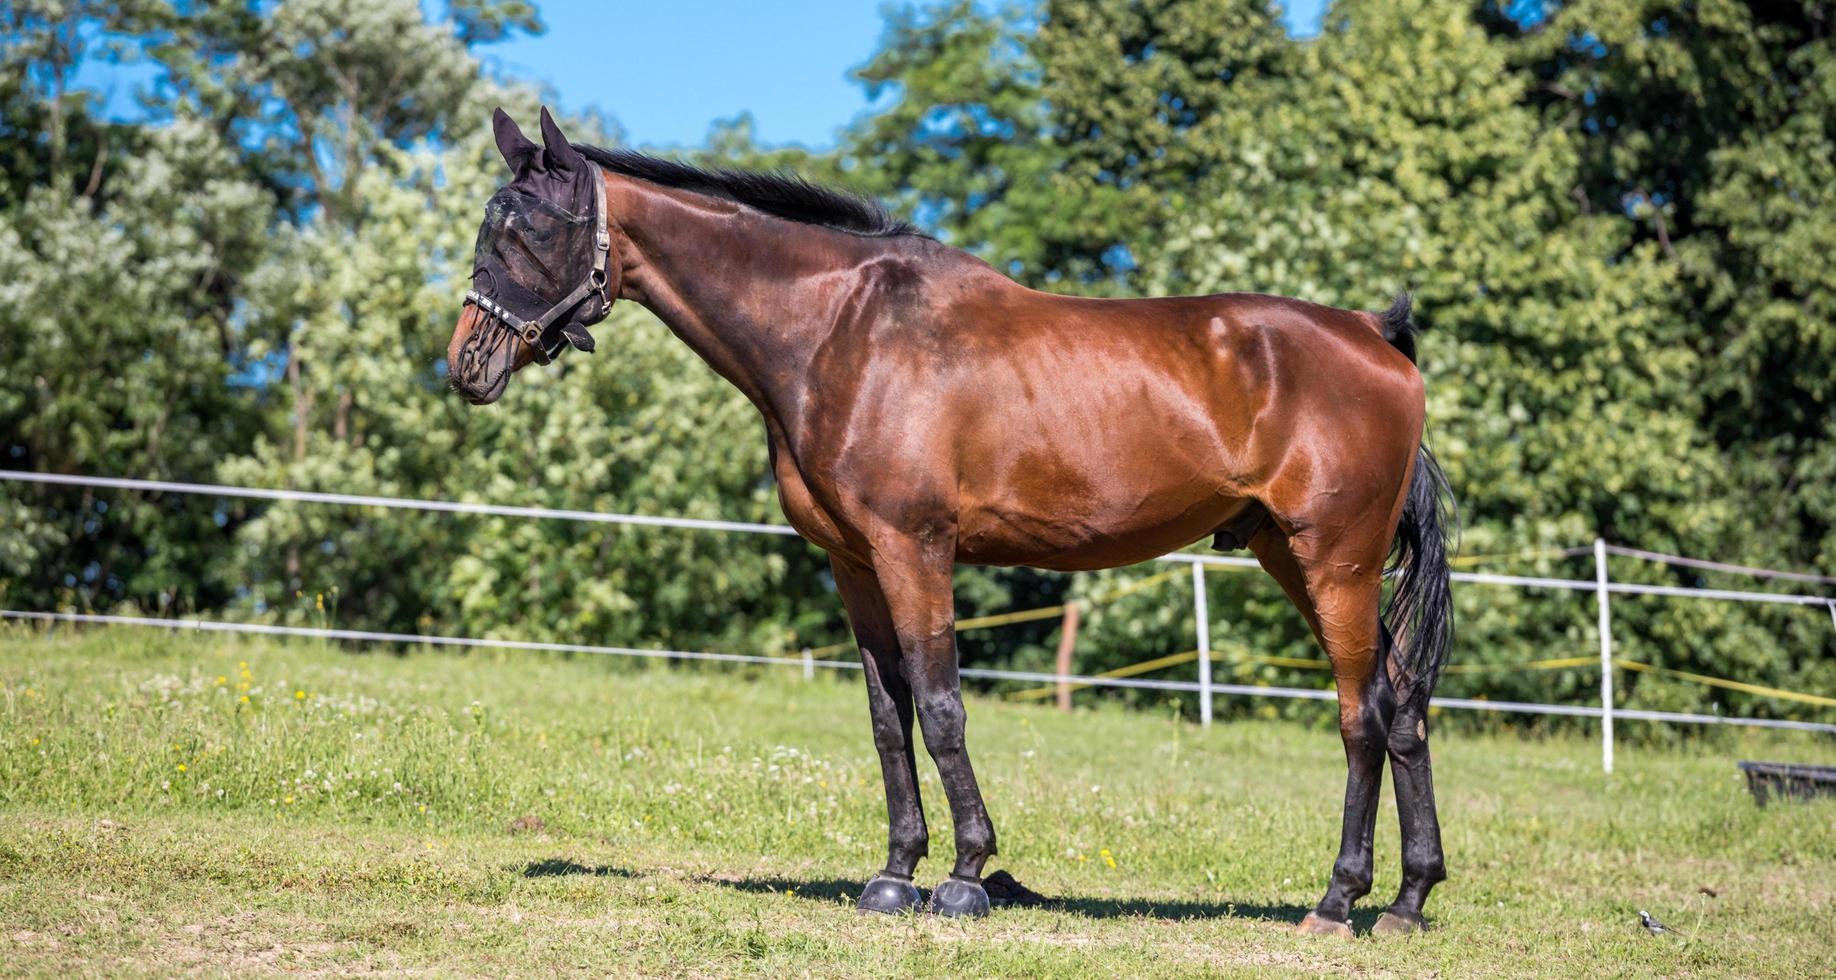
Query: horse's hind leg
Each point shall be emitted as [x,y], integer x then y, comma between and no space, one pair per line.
[1423,862]
[889,700]
[1339,595]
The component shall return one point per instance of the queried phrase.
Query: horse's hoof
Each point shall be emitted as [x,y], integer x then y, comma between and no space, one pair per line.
[1316,924]
[889,895]
[962,898]
[1398,923]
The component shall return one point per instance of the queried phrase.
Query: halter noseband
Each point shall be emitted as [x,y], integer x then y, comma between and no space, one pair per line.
[547,334]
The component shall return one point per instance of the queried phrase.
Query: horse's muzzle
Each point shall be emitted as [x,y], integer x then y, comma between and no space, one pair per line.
[481,358]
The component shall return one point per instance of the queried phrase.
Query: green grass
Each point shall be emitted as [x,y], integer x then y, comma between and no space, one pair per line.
[718,821]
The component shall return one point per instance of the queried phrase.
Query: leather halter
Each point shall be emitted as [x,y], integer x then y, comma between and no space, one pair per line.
[547,334]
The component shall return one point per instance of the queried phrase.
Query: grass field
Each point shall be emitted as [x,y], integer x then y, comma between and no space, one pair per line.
[191,804]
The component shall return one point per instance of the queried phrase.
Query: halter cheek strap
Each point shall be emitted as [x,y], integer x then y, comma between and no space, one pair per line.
[547,334]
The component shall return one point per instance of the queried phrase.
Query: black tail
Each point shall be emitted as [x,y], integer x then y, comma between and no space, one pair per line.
[1420,613]
[1398,327]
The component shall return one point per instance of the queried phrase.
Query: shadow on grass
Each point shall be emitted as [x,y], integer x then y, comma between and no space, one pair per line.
[817,890]
[557,867]
[1007,894]
[847,891]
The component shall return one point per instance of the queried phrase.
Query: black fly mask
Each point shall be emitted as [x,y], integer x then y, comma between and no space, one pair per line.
[539,269]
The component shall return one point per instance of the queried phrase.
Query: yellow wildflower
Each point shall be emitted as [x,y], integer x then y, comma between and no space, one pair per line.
[222,680]
[181,767]
[320,601]
[1108,858]
[245,699]
[299,695]
[289,798]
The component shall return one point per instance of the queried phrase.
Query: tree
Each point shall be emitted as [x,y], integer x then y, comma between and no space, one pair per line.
[119,249]
[1709,127]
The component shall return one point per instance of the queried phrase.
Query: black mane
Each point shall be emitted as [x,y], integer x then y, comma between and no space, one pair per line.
[781,194]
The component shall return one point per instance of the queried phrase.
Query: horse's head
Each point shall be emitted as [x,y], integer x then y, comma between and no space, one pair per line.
[539,275]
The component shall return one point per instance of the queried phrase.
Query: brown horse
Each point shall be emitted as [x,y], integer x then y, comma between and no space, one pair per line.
[923,410]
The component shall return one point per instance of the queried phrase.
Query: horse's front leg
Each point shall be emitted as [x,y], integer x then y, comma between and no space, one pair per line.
[889,699]
[915,577]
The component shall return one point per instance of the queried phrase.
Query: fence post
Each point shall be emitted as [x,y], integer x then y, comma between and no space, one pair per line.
[1067,643]
[809,665]
[1606,656]
[1203,620]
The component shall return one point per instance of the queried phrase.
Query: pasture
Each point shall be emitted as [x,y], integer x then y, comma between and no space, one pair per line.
[174,803]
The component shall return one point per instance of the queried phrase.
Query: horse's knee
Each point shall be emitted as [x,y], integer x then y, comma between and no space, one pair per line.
[891,737]
[942,717]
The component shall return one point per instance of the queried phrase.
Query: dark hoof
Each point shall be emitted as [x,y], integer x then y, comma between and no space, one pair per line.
[959,898]
[1317,925]
[889,896]
[1398,923]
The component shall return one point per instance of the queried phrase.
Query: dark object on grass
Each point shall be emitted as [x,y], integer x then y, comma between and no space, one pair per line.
[924,410]
[1787,779]
[1005,892]
[1653,926]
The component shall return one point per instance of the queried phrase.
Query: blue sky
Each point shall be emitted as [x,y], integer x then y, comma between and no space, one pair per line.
[785,61]
[667,71]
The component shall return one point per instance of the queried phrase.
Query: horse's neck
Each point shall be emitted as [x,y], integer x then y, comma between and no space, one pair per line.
[754,296]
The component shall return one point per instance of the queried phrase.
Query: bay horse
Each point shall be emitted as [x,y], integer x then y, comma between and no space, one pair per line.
[922,409]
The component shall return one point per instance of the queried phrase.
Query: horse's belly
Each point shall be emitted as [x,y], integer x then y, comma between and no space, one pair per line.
[1073,538]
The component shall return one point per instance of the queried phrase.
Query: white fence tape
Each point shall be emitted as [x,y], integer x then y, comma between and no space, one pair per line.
[1719,566]
[422,639]
[396,503]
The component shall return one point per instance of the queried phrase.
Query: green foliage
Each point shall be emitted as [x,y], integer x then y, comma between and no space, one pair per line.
[1711,127]
[117,330]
